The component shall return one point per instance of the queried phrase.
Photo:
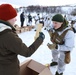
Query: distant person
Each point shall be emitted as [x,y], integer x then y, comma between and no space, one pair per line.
[62,38]
[73,25]
[29,20]
[65,17]
[37,19]
[22,19]
[10,44]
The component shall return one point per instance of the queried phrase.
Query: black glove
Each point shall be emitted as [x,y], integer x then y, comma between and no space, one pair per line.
[41,35]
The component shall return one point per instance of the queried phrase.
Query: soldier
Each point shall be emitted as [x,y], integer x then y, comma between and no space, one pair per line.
[37,19]
[29,20]
[62,38]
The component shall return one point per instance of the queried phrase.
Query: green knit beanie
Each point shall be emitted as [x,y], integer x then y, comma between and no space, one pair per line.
[58,18]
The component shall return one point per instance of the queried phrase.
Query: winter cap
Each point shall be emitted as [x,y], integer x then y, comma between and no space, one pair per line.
[58,18]
[7,12]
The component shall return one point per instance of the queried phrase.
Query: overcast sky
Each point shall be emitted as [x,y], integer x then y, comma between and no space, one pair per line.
[39,2]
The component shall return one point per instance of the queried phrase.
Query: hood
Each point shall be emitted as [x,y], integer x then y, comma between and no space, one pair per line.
[3,27]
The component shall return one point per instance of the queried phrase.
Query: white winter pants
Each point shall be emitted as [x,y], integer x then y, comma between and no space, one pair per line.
[59,57]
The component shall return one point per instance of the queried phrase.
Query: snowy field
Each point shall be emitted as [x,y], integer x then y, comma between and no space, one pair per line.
[43,54]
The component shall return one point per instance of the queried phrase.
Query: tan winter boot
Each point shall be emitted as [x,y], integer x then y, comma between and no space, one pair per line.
[67,57]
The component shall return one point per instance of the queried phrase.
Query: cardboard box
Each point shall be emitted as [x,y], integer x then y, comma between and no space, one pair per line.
[32,67]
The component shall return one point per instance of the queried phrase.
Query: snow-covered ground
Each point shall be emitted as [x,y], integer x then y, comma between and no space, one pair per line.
[43,54]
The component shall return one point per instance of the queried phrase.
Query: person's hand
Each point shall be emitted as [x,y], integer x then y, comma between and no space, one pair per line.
[52,46]
[41,35]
